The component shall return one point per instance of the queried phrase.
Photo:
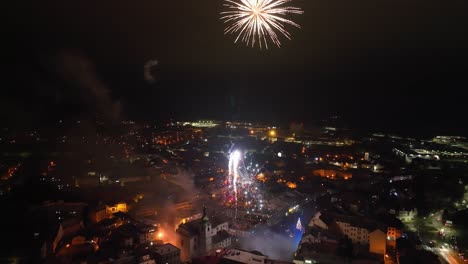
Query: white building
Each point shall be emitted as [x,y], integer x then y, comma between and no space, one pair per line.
[357,233]
[200,236]
[357,229]
[407,214]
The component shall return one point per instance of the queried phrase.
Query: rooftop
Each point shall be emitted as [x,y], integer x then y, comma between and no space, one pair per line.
[190,229]
[221,236]
[164,249]
[193,228]
[241,256]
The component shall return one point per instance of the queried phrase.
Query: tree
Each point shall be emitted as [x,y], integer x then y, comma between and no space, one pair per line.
[299,225]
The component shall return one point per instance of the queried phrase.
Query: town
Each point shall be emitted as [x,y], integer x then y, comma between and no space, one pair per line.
[210,191]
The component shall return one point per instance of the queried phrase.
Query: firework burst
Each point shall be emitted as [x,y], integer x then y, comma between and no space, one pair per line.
[243,192]
[234,170]
[254,21]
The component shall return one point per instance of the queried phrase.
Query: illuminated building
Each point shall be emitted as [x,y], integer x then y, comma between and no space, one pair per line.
[118,207]
[407,214]
[377,242]
[393,233]
[361,231]
[332,174]
[433,152]
[98,214]
[454,141]
[191,218]
[203,124]
[200,236]
[148,234]
[358,232]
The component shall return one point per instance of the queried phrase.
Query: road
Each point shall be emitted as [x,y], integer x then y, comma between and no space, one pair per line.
[430,229]
[449,255]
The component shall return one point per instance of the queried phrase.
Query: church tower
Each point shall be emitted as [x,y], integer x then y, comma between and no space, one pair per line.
[206,231]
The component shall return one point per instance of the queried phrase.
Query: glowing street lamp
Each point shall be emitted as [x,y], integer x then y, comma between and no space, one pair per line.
[272,133]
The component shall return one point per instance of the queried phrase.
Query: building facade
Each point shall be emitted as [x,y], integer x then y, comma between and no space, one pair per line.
[357,234]
[166,254]
[377,242]
[115,208]
[200,236]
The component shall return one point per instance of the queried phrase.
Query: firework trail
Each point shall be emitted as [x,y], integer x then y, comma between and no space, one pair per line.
[244,193]
[234,172]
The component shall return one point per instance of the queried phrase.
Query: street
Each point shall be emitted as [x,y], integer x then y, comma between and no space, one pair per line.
[436,236]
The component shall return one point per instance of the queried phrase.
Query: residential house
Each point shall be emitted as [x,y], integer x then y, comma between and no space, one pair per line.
[98,213]
[167,254]
[117,207]
[147,234]
[377,242]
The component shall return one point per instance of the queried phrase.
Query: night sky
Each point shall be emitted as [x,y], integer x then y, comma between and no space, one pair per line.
[398,65]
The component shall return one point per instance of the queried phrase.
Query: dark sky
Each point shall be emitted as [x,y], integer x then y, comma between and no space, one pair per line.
[396,65]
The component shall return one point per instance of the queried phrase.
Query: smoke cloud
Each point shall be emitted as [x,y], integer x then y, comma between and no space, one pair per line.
[79,72]
[173,208]
[275,246]
[149,76]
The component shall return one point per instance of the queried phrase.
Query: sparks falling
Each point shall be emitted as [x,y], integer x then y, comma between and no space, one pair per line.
[254,21]
[234,171]
[243,192]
